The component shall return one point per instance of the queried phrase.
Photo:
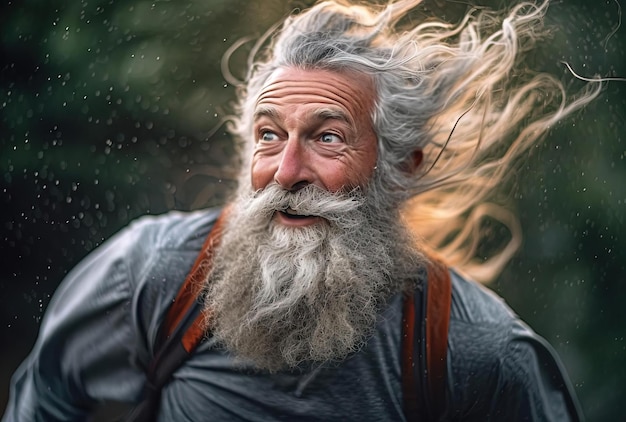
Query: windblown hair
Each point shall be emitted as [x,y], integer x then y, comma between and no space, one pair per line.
[458,92]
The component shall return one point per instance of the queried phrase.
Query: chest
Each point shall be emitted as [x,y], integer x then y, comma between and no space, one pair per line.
[366,386]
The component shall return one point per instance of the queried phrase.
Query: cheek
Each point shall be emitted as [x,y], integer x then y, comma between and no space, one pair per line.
[363,164]
[352,173]
[260,174]
[371,157]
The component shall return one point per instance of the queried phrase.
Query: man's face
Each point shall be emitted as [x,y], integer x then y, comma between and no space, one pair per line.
[313,127]
[314,250]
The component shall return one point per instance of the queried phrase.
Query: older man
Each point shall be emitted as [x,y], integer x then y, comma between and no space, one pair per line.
[344,121]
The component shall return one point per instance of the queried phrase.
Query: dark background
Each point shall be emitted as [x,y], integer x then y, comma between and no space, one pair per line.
[111,110]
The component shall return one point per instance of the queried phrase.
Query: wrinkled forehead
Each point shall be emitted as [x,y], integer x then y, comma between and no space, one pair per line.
[348,90]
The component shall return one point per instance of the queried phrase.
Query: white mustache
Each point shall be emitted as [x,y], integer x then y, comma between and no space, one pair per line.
[310,200]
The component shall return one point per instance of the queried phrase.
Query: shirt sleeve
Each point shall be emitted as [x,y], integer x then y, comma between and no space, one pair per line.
[88,347]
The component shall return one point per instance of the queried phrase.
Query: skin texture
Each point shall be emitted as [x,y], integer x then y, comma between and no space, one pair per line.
[313,127]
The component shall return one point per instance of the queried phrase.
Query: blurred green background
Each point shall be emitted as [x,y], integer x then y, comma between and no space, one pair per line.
[111,110]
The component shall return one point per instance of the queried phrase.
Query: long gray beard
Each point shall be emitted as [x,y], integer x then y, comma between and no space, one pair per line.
[282,295]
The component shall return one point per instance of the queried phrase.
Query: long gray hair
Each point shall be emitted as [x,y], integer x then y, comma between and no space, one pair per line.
[457,92]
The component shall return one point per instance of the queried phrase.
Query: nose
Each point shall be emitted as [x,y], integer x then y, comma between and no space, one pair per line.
[293,172]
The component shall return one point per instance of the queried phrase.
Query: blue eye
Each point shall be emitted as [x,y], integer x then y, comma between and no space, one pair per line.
[329,138]
[268,136]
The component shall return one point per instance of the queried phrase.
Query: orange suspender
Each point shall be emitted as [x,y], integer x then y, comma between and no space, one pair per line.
[191,289]
[424,348]
[437,322]
[182,331]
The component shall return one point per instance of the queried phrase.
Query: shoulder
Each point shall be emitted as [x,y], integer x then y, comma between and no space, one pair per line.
[479,331]
[151,242]
[498,366]
[159,251]
[120,264]
[476,304]
[152,238]
[173,230]
[481,327]
[136,273]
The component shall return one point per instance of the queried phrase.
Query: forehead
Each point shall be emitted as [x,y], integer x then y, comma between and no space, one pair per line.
[349,91]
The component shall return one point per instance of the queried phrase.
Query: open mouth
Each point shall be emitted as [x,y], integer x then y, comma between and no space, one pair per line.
[291,218]
[291,214]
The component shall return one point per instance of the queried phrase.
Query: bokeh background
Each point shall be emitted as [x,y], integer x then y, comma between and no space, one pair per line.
[111,109]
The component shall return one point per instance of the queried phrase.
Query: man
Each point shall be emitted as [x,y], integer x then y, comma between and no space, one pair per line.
[344,120]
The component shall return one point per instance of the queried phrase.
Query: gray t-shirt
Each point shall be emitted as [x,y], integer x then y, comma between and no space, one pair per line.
[100,328]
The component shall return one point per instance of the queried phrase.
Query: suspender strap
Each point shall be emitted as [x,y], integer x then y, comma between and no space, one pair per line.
[438,301]
[190,291]
[182,331]
[412,402]
[424,348]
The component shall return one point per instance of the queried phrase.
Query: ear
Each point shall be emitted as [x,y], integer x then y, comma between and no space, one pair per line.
[414,161]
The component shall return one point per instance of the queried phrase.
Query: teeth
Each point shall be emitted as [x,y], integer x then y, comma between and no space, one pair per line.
[291,212]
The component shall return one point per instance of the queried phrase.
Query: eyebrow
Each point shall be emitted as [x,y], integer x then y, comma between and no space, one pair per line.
[320,114]
[332,113]
[264,111]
